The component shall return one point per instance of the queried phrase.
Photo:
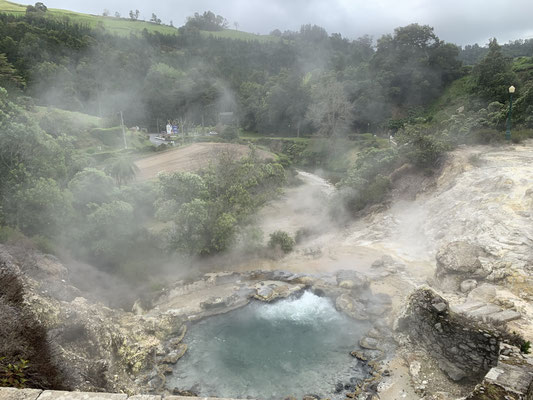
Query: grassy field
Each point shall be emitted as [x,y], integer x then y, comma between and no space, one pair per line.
[84,120]
[125,26]
[239,35]
[119,26]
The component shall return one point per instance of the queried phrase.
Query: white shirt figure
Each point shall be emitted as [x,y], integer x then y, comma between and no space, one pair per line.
[169,129]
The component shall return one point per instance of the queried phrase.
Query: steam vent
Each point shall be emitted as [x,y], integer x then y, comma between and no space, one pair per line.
[335,206]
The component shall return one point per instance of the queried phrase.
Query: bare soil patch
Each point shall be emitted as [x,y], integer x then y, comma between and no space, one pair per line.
[192,158]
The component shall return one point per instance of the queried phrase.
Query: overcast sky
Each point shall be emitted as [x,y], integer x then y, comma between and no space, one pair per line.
[457,21]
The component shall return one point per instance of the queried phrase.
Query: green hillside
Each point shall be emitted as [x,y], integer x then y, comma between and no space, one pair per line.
[239,35]
[125,26]
[119,26]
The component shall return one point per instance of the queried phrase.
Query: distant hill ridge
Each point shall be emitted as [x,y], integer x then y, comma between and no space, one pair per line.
[125,26]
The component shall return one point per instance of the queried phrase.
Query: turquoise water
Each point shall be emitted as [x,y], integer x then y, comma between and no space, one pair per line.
[270,351]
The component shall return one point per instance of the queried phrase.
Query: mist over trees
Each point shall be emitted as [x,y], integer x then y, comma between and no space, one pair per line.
[189,74]
[275,86]
[305,84]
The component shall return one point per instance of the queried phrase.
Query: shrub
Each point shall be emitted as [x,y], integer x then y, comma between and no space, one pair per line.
[525,347]
[13,374]
[230,134]
[44,244]
[108,136]
[424,148]
[282,240]
[9,234]
[518,136]
[487,136]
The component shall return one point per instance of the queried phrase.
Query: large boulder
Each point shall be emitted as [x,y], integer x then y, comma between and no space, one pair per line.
[460,257]
[351,307]
[458,261]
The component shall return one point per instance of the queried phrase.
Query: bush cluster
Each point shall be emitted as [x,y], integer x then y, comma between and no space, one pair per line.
[281,240]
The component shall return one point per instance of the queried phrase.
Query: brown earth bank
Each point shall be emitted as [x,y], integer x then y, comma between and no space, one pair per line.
[192,157]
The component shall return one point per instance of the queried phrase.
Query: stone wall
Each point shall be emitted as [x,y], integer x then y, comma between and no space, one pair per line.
[463,350]
[511,379]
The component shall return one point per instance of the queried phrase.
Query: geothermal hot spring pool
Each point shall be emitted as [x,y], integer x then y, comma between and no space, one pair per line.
[295,346]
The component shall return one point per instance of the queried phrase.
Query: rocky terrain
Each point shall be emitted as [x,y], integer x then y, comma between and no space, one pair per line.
[444,274]
[103,349]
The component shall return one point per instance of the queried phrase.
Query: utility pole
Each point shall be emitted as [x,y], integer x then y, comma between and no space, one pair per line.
[509,116]
[123,130]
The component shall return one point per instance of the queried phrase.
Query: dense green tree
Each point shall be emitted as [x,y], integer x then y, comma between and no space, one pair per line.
[8,74]
[366,182]
[155,20]
[207,21]
[414,65]
[91,186]
[108,230]
[331,112]
[177,189]
[493,75]
[39,207]
[25,150]
[190,230]
[134,15]
[122,169]
[285,104]
[39,6]
[205,211]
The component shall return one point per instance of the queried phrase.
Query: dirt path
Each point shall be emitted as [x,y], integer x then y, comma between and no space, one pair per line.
[191,158]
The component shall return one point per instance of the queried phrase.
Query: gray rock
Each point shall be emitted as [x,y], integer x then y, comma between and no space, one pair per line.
[214,302]
[513,378]
[378,263]
[368,343]
[485,292]
[350,279]
[484,311]
[374,333]
[440,307]
[467,306]
[453,371]
[387,261]
[460,258]
[373,354]
[172,357]
[265,292]
[351,307]
[505,316]
[467,285]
